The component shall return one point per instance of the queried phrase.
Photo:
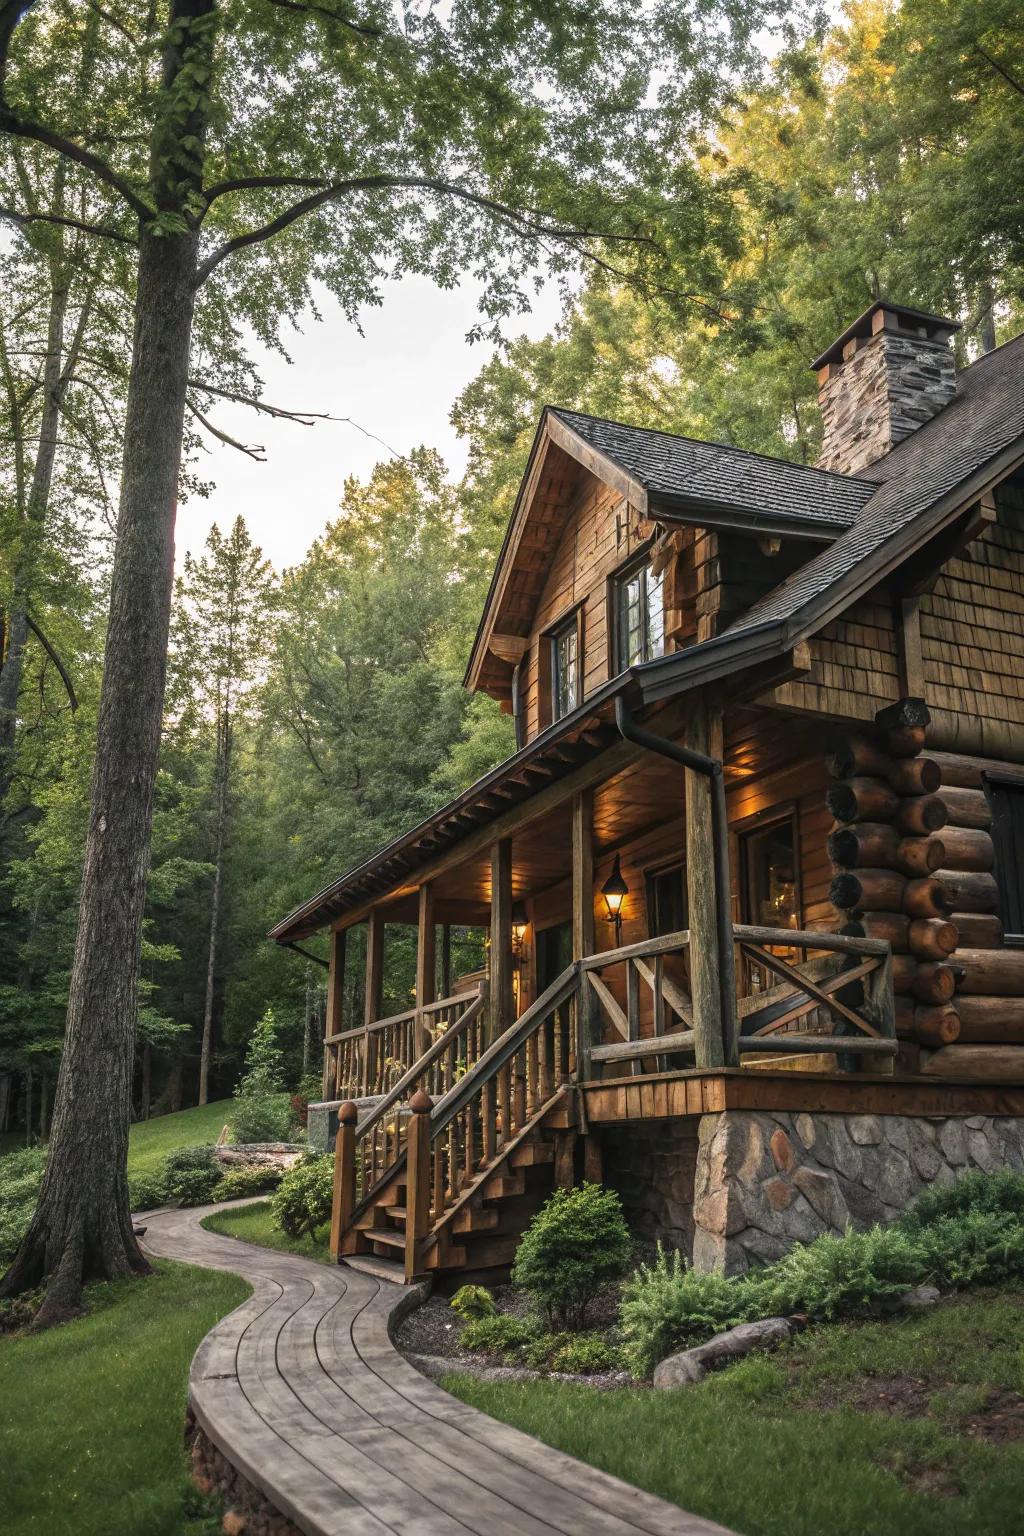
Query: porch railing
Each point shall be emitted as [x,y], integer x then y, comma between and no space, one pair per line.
[364,1062]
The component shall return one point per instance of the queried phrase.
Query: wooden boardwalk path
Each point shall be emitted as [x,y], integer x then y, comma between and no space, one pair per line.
[304,1393]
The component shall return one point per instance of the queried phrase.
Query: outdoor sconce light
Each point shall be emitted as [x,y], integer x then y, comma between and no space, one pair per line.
[519,926]
[615,890]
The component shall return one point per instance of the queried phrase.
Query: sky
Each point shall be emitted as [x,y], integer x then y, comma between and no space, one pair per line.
[398,381]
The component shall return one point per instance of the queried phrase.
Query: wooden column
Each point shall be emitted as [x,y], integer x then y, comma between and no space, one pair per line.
[335,1006]
[446,960]
[417,1212]
[344,1193]
[703,734]
[501,1011]
[583,919]
[426,964]
[373,992]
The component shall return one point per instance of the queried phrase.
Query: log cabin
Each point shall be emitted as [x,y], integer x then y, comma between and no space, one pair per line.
[752,884]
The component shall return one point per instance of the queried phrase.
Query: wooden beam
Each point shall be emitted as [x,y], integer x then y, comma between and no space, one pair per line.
[583,938]
[426,962]
[501,1010]
[911,652]
[511,648]
[335,997]
[373,991]
[703,733]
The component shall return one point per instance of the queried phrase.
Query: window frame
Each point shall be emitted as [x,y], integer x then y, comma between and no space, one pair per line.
[995,780]
[652,875]
[618,629]
[547,663]
[570,628]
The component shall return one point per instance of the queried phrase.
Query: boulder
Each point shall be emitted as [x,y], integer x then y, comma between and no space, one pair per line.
[691,1365]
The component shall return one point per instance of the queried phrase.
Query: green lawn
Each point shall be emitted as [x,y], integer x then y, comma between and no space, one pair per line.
[253,1223]
[909,1428]
[91,1413]
[150,1140]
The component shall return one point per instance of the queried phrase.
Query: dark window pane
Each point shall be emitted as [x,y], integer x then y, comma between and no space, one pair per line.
[565,666]
[641,618]
[1007,802]
[666,902]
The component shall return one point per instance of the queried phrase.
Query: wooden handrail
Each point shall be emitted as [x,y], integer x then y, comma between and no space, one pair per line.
[428,1058]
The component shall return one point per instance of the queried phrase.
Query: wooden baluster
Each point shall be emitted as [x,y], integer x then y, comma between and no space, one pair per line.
[505,1102]
[633,1009]
[417,1214]
[519,1081]
[468,1140]
[488,1100]
[344,1193]
[532,1075]
[437,1181]
[659,1007]
[450,1181]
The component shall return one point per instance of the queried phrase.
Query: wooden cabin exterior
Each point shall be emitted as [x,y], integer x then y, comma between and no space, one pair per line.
[760,850]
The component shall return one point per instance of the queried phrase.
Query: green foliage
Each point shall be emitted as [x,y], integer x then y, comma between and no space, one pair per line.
[666,1305]
[584,1354]
[147,1191]
[20,1176]
[998,1193]
[247,1179]
[472,1301]
[975,1247]
[302,1203]
[843,1275]
[576,1244]
[503,1336]
[257,1117]
[191,1174]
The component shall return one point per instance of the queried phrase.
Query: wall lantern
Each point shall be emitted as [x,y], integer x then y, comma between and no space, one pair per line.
[519,927]
[615,890]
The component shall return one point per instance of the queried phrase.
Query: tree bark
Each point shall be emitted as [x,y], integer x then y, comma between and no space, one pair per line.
[82,1225]
[223,770]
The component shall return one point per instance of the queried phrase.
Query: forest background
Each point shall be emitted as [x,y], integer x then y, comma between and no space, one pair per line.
[313,714]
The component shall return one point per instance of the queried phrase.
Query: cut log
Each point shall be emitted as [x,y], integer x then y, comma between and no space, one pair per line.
[966,807]
[914,775]
[966,772]
[934,981]
[926,898]
[992,972]
[872,890]
[862,799]
[907,741]
[993,1020]
[859,755]
[919,815]
[903,1017]
[978,930]
[967,891]
[919,856]
[904,970]
[936,1027]
[967,848]
[909,711]
[865,845]
[998,1062]
[890,926]
[932,938]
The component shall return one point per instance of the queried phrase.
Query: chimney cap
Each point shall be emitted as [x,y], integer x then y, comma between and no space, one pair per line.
[884,316]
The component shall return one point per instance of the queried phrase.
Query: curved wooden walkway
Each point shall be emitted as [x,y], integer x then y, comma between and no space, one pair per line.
[304,1393]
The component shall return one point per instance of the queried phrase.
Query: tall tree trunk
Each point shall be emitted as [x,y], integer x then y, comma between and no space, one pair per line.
[174,1086]
[5,1100]
[44,1092]
[28,1106]
[307,1019]
[223,769]
[82,1224]
[147,1080]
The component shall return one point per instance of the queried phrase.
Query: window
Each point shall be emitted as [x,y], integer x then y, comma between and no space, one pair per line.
[770,886]
[565,669]
[1006,797]
[639,616]
[666,901]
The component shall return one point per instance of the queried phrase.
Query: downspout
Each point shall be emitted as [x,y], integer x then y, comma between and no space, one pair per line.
[712,768]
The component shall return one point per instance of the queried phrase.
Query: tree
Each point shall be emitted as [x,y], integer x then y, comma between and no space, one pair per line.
[274,143]
[224,599]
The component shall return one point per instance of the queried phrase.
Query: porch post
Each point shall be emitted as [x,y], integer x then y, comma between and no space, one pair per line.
[426,964]
[502,999]
[583,919]
[703,734]
[372,993]
[335,1005]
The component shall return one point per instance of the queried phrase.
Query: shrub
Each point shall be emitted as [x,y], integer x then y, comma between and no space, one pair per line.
[977,1247]
[262,1111]
[584,1354]
[20,1176]
[247,1179]
[303,1200]
[472,1301]
[666,1305]
[850,1274]
[147,1190]
[577,1243]
[975,1191]
[260,1117]
[501,1335]
[541,1347]
[191,1174]
[17,1312]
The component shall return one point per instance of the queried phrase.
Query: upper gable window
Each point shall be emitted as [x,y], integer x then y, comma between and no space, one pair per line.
[639,615]
[565,668]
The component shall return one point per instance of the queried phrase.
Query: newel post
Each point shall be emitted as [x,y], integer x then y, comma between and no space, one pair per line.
[344,1194]
[417,1215]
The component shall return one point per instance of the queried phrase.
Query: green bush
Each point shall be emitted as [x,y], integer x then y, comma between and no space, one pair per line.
[191,1174]
[666,1305]
[975,1247]
[472,1301]
[260,1117]
[848,1275]
[303,1200]
[247,1179]
[146,1191]
[584,1354]
[577,1243]
[501,1335]
[21,1174]
[975,1191]
[541,1347]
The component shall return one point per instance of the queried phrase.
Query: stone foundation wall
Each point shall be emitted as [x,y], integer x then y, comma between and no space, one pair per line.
[766,1181]
[652,1167]
[248,1512]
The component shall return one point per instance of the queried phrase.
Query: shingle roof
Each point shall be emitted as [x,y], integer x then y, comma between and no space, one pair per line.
[985,417]
[716,475]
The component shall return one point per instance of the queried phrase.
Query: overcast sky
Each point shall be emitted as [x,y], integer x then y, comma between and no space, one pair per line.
[398,380]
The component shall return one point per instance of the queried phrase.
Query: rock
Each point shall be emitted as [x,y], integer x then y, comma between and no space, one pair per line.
[915,1300]
[778,1194]
[953,1142]
[923,1153]
[822,1194]
[233,1523]
[898,1184]
[865,1130]
[805,1129]
[782,1152]
[678,1371]
[983,1153]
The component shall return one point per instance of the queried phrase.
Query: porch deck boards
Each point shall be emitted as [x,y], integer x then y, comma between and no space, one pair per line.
[304,1393]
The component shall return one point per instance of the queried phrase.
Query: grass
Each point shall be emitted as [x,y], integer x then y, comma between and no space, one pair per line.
[150,1140]
[91,1413]
[254,1224]
[877,1429]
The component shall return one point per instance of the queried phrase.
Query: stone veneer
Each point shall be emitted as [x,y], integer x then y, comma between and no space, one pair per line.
[889,387]
[766,1181]
[652,1167]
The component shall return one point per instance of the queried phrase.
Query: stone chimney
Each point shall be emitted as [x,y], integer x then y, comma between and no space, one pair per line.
[887,374]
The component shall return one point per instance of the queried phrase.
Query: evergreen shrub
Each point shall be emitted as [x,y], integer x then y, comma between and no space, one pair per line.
[576,1244]
[302,1203]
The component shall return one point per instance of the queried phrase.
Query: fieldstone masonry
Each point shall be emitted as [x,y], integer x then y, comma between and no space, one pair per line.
[889,387]
[766,1181]
[653,1167]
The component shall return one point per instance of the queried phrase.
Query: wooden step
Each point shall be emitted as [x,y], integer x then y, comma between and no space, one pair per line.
[531,1154]
[502,1186]
[380,1268]
[388,1237]
[474,1219]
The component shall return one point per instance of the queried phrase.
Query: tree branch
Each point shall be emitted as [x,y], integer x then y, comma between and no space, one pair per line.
[304,418]
[21,128]
[358,28]
[257,452]
[24,219]
[62,670]
[994,64]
